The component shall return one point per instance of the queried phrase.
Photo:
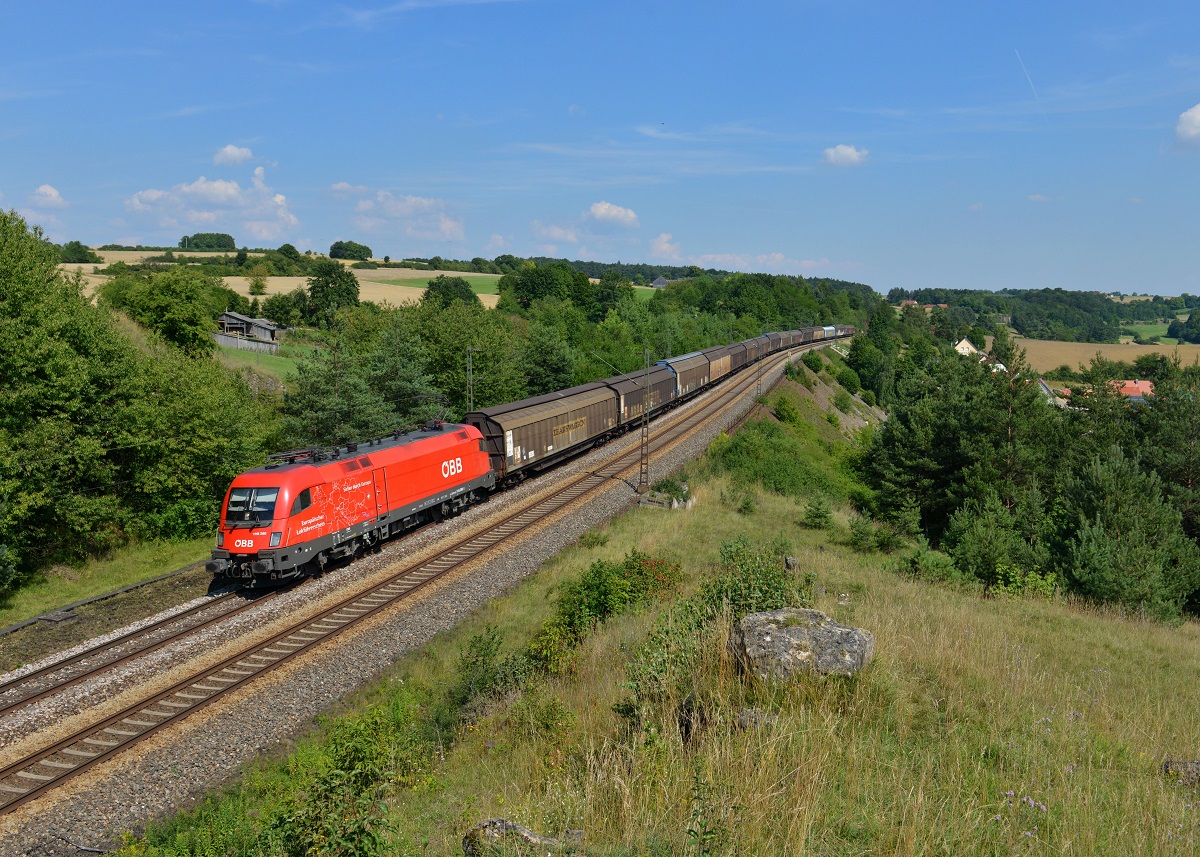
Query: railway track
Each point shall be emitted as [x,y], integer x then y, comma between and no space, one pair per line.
[47,768]
[36,685]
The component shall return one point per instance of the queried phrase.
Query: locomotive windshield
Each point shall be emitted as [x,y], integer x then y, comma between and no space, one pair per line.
[251,505]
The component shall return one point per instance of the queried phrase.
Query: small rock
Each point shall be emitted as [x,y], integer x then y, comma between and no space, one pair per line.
[1185,770]
[782,643]
[752,718]
[791,563]
[480,838]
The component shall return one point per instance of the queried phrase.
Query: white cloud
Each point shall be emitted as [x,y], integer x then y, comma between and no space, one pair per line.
[219,192]
[550,232]
[347,189]
[47,196]
[496,242]
[418,217]
[607,212]
[768,263]
[232,154]
[1038,197]
[842,155]
[976,206]
[257,209]
[662,248]
[1188,128]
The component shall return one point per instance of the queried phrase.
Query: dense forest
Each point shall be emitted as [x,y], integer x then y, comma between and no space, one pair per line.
[117,424]
[1102,498]
[1051,313]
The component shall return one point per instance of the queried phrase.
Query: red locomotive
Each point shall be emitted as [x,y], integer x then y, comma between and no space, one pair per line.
[306,507]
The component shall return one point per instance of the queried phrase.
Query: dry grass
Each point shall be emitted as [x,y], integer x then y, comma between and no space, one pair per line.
[1045,356]
[967,701]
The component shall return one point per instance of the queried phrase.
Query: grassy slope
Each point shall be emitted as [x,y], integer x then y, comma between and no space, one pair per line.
[65,585]
[974,716]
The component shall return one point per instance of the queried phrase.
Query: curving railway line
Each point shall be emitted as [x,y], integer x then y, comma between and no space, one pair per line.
[48,767]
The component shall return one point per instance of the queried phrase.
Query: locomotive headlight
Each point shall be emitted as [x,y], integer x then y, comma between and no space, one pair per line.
[220,539]
[275,539]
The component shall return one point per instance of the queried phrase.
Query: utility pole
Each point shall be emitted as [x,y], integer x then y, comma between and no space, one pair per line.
[644,475]
[471,379]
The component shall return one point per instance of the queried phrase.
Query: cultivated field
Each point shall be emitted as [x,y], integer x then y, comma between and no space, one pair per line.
[1045,356]
[382,285]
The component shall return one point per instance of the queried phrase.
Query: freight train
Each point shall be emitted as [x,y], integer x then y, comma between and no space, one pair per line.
[306,507]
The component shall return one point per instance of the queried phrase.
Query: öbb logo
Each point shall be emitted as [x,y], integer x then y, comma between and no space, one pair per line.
[451,468]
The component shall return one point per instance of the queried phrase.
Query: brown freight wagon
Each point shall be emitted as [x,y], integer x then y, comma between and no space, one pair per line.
[719,362]
[532,433]
[753,349]
[737,356]
[691,372]
[659,381]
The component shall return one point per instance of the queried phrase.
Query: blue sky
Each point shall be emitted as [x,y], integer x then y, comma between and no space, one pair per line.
[914,144]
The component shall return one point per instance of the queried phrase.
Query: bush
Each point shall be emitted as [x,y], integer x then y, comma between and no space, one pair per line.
[605,589]
[751,580]
[923,563]
[672,488]
[862,534]
[817,515]
[593,539]
[842,401]
[868,397]
[833,419]
[813,361]
[1019,583]
[848,378]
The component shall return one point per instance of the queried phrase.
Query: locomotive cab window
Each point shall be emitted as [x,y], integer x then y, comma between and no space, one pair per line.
[303,501]
[253,505]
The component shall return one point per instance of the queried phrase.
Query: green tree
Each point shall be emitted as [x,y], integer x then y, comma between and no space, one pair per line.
[179,304]
[208,241]
[76,253]
[257,276]
[549,364]
[443,291]
[349,250]
[532,282]
[1119,542]
[287,309]
[331,287]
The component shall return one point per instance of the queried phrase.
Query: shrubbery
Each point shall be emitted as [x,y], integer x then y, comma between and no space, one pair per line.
[813,361]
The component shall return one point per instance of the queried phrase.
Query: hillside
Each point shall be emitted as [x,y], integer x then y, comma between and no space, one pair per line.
[983,725]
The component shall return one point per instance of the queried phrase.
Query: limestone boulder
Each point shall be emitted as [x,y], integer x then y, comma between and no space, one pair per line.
[779,644]
[484,837]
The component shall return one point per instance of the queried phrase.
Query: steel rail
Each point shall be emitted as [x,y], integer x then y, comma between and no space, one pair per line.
[26,779]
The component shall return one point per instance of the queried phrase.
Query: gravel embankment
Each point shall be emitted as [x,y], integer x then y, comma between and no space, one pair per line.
[174,768]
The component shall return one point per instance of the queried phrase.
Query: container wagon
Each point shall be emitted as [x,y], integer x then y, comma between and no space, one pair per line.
[691,372]
[533,433]
[638,391]
[719,362]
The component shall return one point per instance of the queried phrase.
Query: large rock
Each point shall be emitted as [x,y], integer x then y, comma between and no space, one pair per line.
[481,838]
[782,643]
